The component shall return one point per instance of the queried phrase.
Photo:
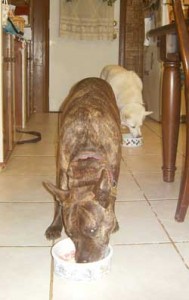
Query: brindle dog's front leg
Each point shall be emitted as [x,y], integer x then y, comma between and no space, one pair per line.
[55,229]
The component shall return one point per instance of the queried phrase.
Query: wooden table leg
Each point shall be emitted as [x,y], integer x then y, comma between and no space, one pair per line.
[171,99]
[183,200]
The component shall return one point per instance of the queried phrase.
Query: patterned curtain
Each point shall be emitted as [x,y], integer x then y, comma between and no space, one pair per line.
[86,19]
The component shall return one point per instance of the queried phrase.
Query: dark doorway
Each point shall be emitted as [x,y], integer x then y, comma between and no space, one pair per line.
[40,25]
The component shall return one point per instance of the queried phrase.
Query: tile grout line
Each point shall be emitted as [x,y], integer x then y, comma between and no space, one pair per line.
[167,233]
[160,136]
[142,244]
[161,224]
[152,130]
[51,280]
[25,246]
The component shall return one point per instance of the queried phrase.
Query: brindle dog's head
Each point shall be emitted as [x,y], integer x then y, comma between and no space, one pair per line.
[88,218]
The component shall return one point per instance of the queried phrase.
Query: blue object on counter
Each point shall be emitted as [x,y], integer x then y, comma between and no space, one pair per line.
[12,28]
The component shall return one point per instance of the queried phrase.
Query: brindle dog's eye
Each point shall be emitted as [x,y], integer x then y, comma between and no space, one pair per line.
[93,230]
[90,231]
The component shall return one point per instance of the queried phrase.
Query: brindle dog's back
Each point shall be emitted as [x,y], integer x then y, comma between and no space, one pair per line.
[93,92]
[89,121]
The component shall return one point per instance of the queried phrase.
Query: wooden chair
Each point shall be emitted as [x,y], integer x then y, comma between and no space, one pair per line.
[183,38]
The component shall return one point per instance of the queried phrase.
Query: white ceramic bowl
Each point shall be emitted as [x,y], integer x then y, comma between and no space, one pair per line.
[130,141]
[66,267]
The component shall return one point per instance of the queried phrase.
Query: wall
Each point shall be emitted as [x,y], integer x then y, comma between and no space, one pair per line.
[72,60]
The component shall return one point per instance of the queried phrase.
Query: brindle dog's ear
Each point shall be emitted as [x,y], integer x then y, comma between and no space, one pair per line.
[60,195]
[104,182]
[103,188]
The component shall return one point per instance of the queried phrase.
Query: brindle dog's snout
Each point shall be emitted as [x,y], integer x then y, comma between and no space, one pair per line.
[82,260]
[82,257]
[87,254]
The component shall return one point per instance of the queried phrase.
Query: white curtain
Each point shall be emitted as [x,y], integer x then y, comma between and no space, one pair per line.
[86,20]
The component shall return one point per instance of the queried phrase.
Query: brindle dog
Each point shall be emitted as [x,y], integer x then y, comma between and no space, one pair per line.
[88,164]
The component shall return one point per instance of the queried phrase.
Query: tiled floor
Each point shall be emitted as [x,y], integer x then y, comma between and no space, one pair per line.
[151,250]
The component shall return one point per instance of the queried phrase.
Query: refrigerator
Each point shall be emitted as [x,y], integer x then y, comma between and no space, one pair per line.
[152,66]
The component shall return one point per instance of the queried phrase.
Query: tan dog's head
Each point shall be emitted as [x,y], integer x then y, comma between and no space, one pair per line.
[89,219]
[133,116]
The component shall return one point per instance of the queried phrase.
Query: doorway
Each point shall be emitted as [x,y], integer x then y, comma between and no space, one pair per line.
[40,25]
[39,19]
[72,60]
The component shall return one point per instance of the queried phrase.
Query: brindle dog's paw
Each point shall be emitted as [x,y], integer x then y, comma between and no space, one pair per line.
[53,233]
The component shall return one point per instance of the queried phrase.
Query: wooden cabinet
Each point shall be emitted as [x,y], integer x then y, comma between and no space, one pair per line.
[38,13]
[29,81]
[8,94]
[19,97]
[17,89]
[23,82]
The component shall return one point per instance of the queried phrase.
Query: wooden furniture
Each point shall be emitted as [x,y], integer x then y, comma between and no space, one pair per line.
[40,27]
[183,37]
[23,82]
[8,95]
[17,89]
[19,95]
[171,98]
[29,81]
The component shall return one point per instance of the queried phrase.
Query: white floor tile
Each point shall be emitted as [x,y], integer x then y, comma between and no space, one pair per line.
[31,165]
[24,224]
[24,189]
[128,188]
[154,127]
[155,188]
[39,149]
[137,224]
[25,273]
[165,210]
[184,251]
[148,163]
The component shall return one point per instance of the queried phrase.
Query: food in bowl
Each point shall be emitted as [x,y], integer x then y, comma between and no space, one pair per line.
[70,257]
[130,141]
[65,266]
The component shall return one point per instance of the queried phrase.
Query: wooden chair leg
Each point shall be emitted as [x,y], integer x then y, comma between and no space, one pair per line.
[183,201]
[183,37]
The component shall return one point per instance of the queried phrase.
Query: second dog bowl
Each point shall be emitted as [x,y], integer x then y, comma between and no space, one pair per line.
[130,141]
[66,267]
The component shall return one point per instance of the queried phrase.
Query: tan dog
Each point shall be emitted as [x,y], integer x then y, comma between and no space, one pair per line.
[127,87]
[88,163]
